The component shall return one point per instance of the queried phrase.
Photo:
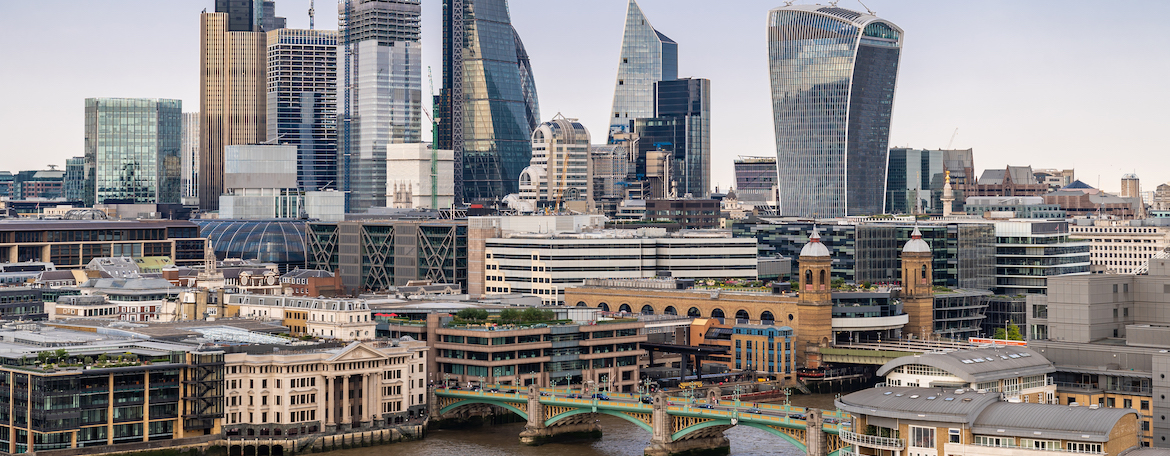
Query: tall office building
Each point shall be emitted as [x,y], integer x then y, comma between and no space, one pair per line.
[910,176]
[189,148]
[647,57]
[302,101]
[73,185]
[833,73]
[250,15]
[681,126]
[561,171]
[755,178]
[132,145]
[233,56]
[383,96]
[488,107]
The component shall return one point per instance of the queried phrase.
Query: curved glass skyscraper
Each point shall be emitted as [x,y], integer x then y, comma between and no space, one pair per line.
[488,107]
[833,73]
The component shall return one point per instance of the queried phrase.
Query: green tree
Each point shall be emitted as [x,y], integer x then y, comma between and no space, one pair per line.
[1000,334]
[837,282]
[472,314]
[103,358]
[510,316]
[1013,333]
[43,357]
[60,354]
[866,284]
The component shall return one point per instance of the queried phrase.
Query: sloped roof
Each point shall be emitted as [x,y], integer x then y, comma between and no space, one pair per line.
[922,404]
[1077,184]
[981,364]
[1049,421]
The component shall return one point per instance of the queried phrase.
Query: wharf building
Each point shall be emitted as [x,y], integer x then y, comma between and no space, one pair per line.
[381,94]
[1016,373]
[962,422]
[832,111]
[818,315]
[545,264]
[72,244]
[488,106]
[294,391]
[1108,335]
[104,392]
[132,150]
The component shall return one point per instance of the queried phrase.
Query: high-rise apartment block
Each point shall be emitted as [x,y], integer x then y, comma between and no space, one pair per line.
[647,56]
[189,150]
[381,91]
[132,145]
[233,57]
[488,107]
[302,101]
[833,73]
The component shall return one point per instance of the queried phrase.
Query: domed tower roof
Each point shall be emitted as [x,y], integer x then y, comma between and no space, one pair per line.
[814,247]
[916,244]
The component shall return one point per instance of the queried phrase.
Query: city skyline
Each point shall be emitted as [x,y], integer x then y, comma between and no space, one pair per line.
[1013,104]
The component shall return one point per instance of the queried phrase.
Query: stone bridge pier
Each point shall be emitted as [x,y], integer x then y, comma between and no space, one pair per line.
[537,432]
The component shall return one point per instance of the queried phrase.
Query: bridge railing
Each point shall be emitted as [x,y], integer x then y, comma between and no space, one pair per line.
[872,441]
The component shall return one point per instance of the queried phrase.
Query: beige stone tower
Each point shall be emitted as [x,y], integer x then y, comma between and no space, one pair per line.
[815,306]
[918,286]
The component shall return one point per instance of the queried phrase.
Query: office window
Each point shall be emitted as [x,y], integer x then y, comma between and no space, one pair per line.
[922,437]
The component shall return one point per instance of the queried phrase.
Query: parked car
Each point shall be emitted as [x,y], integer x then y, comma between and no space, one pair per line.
[647,400]
[600,396]
[796,416]
[752,410]
[706,406]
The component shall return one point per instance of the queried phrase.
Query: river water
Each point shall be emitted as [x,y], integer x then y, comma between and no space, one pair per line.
[620,438]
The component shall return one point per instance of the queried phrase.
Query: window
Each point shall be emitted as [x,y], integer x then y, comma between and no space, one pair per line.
[922,437]
[955,436]
[1084,447]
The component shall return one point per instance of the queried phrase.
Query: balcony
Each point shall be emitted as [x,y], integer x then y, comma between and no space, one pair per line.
[872,441]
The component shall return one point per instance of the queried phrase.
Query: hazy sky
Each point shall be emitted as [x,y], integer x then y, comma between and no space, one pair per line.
[1052,84]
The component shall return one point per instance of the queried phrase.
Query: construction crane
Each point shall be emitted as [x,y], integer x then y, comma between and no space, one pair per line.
[434,145]
[956,133]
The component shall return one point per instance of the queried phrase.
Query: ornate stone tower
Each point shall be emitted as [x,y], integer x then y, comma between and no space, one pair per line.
[918,286]
[816,300]
[948,197]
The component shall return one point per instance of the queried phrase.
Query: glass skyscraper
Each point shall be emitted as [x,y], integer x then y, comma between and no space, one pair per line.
[302,101]
[755,177]
[833,73]
[647,57]
[384,92]
[132,148]
[488,107]
[909,178]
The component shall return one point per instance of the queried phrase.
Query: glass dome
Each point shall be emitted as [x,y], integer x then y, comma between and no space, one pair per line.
[269,241]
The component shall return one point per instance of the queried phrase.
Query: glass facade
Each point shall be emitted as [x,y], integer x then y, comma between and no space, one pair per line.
[682,125]
[132,148]
[833,73]
[384,92]
[74,182]
[488,106]
[270,241]
[911,175]
[754,178]
[302,101]
[647,57]
[190,155]
[1027,253]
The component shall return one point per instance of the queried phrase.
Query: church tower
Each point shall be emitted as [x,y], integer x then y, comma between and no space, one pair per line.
[815,304]
[918,286]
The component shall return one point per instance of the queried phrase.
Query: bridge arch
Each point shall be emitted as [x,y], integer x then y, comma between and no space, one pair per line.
[465,402]
[722,422]
[559,417]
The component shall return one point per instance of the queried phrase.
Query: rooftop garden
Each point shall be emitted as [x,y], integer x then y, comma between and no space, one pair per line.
[515,317]
[62,359]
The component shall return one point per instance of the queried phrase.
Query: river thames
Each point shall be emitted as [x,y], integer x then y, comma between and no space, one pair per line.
[621,438]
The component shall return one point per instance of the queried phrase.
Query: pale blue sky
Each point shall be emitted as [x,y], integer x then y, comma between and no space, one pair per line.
[1053,84]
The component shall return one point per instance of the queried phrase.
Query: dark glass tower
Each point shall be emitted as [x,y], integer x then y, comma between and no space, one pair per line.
[833,73]
[488,107]
[250,15]
[681,125]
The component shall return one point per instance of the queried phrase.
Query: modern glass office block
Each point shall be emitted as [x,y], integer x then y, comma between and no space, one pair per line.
[132,147]
[833,73]
[647,57]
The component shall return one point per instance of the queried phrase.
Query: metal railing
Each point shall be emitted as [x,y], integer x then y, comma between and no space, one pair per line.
[872,441]
[1059,450]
